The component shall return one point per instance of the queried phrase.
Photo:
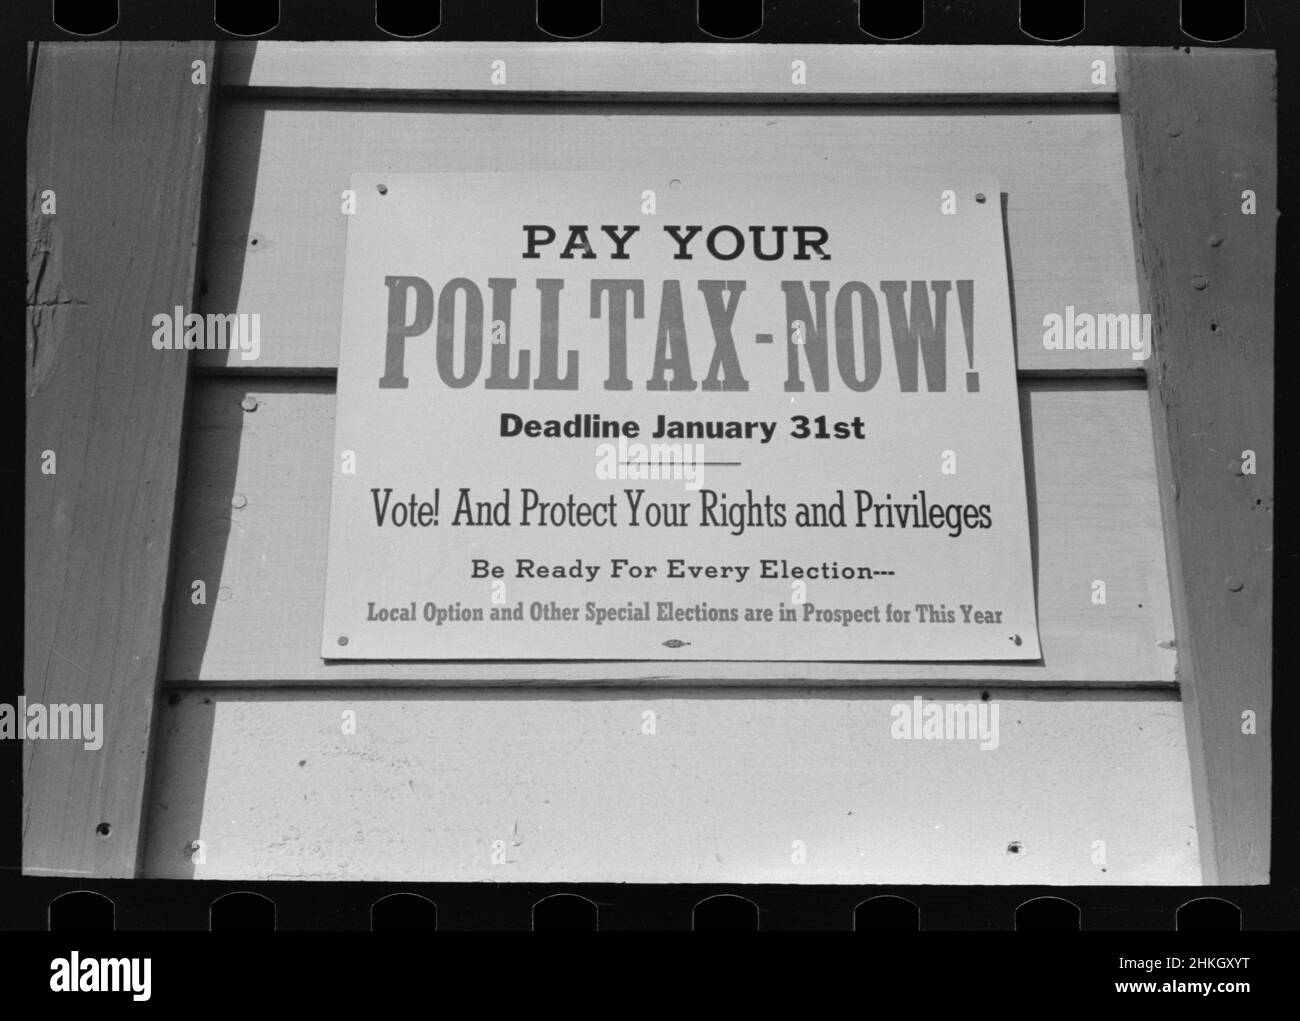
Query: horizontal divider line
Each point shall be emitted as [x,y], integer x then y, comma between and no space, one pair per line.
[1136,376]
[1091,100]
[694,688]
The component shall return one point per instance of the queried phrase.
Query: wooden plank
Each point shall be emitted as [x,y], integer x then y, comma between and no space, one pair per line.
[256,508]
[279,237]
[118,133]
[718,793]
[1201,127]
[672,71]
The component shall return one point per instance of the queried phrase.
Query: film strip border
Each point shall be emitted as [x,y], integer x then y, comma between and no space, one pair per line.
[1154,22]
[73,906]
[264,907]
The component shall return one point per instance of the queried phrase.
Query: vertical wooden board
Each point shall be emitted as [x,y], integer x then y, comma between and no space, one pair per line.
[118,132]
[256,508]
[570,787]
[279,236]
[1201,129]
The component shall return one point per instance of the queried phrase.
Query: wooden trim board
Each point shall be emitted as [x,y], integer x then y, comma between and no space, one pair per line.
[118,132]
[674,72]
[1200,128]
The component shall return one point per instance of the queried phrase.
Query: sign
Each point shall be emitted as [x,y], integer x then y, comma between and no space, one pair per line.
[739,417]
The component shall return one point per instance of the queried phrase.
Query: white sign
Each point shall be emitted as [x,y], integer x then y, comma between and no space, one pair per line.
[743,417]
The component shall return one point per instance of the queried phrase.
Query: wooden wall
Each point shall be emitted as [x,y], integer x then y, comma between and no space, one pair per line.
[746,758]
[573,790]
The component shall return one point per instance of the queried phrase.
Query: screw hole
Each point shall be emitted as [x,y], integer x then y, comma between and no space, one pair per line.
[103,829]
[1015,847]
[382,189]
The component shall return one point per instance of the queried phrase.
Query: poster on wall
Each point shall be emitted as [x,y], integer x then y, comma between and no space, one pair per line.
[645,416]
